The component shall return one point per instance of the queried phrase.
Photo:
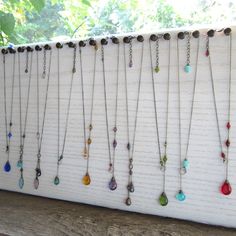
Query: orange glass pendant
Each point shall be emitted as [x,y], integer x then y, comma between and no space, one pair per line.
[86,179]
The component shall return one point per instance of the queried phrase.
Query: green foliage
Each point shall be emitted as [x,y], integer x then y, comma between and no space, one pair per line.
[26,21]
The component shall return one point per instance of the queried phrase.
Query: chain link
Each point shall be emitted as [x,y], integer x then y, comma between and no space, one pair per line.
[157,52]
[44,63]
[188,48]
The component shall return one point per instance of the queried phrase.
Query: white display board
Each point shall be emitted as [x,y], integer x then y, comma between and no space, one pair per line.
[201,184]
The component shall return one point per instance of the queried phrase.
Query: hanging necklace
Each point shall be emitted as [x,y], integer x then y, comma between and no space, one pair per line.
[184,162]
[130,186]
[8,126]
[112,184]
[60,156]
[39,135]
[85,150]
[187,67]
[163,200]
[23,126]
[226,188]
[86,179]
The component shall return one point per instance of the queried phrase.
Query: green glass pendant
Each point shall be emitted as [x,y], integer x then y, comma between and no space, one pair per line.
[157,69]
[56,180]
[163,200]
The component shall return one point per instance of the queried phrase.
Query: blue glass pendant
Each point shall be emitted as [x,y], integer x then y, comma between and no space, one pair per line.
[9,135]
[21,182]
[187,68]
[19,164]
[185,163]
[180,196]
[7,167]
[112,184]
[56,180]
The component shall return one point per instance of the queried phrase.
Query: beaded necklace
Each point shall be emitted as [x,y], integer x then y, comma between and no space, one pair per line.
[130,149]
[226,188]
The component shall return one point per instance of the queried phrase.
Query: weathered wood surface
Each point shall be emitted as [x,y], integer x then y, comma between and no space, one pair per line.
[23,215]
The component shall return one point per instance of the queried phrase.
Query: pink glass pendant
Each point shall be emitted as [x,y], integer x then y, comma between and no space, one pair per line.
[207,53]
[226,188]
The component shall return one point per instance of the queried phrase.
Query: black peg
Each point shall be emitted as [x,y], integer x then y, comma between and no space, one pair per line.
[126,39]
[211,33]
[92,42]
[115,40]
[181,35]
[38,48]
[47,47]
[59,45]
[227,31]
[196,34]
[29,49]
[104,41]
[167,36]
[140,38]
[71,45]
[153,37]
[82,43]
[20,49]
[4,51]
[11,50]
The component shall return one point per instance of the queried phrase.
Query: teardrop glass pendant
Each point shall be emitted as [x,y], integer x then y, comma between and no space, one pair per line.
[112,184]
[21,182]
[36,183]
[7,167]
[128,201]
[19,164]
[163,200]
[180,196]
[157,69]
[187,68]
[130,187]
[226,188]
[185,163]
[56,180]
[86,179]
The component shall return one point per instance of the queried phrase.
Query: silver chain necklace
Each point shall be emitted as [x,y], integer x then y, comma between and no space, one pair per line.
[60,155]
[23,126]
[130,186]
[226,188]
[39,135]
[184,163]
[86,178]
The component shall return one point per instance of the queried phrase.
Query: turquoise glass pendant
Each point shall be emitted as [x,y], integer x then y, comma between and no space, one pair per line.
[7,167]
[56,180]
[187,68]
[185,163]
[163,200]
[180,196]
[19,164]
[21,182]
[112,184]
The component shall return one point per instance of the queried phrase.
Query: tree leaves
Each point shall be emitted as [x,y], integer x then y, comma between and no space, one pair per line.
[7,22]
[38,4]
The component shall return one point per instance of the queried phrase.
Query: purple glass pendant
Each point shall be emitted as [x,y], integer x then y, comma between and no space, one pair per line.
[112,184]
[7,167]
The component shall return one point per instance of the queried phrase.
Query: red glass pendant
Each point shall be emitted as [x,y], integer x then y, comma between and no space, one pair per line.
[226,188]
[228,125]
[207,53]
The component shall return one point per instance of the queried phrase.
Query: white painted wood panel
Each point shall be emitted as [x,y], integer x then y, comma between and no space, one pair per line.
[204,202]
